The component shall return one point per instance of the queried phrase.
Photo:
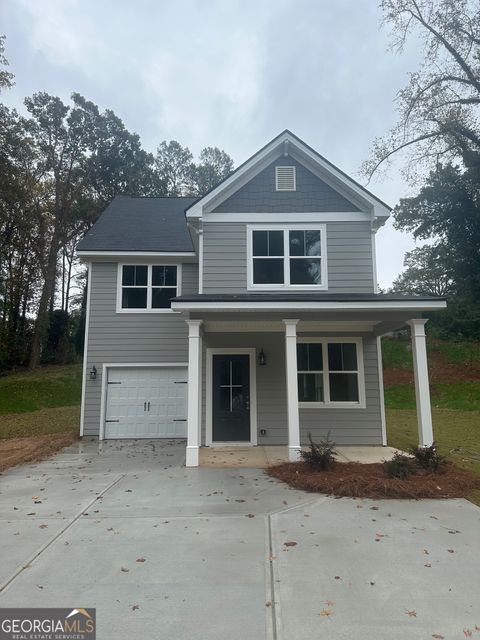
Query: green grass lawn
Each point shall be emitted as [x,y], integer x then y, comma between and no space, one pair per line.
[40,402]
[460,396]
[398,353]
[43,388]
[457,434]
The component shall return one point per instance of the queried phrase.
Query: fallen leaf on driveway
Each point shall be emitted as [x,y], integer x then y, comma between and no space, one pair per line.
[140,560]
[239,500]
[268,604]
[467,633]
[427,565]
[325,612]
[43,526]
[437,636]
[411,614]
[337,578]
[250,515]
[290,544]
[125,570]
[450,551]
[135,607]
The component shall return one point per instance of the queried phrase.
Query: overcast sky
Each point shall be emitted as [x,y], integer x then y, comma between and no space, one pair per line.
[226,73]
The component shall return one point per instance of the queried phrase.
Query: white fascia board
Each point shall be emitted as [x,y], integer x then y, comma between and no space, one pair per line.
[271,218]
[100,256]
[196,210]
[310,306]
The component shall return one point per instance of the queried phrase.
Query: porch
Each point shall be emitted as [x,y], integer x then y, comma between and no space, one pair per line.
[260,457]
[279,396]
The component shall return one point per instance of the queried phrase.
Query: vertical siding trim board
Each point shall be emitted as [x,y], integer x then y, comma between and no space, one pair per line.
[252,353]
[381,391]
[128,365]
[85,348]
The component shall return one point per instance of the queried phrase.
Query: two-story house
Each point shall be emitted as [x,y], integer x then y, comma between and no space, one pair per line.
[248,316]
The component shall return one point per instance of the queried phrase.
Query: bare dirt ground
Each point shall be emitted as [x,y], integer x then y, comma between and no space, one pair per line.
[16,451]
[441,372]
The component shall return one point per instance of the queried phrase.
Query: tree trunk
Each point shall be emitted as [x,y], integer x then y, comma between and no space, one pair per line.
[48,290]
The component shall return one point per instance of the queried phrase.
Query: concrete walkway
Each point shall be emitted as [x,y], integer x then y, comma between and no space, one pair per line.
[264,456]
[167,552]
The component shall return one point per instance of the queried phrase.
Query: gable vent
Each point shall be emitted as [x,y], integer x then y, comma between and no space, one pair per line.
[285,179]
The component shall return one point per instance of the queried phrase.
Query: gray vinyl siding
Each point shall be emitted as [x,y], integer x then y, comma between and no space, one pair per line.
[260,195]
[347,426]
[349,257]
[128,337]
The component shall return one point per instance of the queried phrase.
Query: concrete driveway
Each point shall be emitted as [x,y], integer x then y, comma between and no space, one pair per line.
[167,552]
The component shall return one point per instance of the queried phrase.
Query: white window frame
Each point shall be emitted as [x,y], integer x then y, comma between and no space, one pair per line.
[149,266]
[289,166]
[286,228]
[327,403]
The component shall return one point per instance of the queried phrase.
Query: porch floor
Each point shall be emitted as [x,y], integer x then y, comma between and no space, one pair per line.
[264,456]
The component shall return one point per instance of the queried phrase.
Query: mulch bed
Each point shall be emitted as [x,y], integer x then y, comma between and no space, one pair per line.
[15,451]
[370,481]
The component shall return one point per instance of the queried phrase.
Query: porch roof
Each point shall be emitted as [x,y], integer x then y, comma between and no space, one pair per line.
[306,301]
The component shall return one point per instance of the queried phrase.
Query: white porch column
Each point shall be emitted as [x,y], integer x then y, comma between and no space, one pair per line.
[422,389]
[292,389]
[194,392]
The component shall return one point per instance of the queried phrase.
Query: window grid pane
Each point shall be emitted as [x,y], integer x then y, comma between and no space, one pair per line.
[138,292]
[343,383]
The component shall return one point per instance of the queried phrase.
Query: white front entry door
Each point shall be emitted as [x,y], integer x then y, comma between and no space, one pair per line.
[146,402]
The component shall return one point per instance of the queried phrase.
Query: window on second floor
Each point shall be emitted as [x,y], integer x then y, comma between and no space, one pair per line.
[147,287]
[292,257]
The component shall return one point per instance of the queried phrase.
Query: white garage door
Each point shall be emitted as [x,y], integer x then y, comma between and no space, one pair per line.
[146,402]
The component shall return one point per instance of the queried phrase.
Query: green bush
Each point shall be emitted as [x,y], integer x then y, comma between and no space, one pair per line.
[428,457]
[400,466]
[320,456]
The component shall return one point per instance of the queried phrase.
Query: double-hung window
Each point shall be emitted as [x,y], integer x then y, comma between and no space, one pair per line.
[292,257]
[330,372]
[147,287]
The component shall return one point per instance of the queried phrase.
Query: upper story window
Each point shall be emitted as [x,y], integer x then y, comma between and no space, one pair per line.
[285,179]
[291,257]
[147,287]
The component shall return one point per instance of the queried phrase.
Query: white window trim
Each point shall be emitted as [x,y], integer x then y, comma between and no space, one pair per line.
[149,266]
[286,257]
[327,404]
[289,166]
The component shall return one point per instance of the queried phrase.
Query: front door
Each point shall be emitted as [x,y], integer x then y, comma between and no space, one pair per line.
[231,398]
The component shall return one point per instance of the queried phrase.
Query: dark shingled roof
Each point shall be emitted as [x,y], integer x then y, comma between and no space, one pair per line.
[140,224]
[304,297]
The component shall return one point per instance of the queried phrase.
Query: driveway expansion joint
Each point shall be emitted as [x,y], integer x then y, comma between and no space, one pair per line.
[44,547]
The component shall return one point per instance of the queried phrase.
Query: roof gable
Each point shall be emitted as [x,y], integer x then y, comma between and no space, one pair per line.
[288,144]
[260,195]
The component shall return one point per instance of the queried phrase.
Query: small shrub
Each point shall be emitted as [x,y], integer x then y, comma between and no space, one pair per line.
[320,456]
[428,457]
[400,466]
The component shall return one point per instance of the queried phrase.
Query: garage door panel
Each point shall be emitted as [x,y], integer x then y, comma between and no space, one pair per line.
[158,390]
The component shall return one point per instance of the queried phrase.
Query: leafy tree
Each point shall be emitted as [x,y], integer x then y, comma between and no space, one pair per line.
[428,272]
[447,209]
[438,109]
[214,166]
[174,165]
[6,78]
